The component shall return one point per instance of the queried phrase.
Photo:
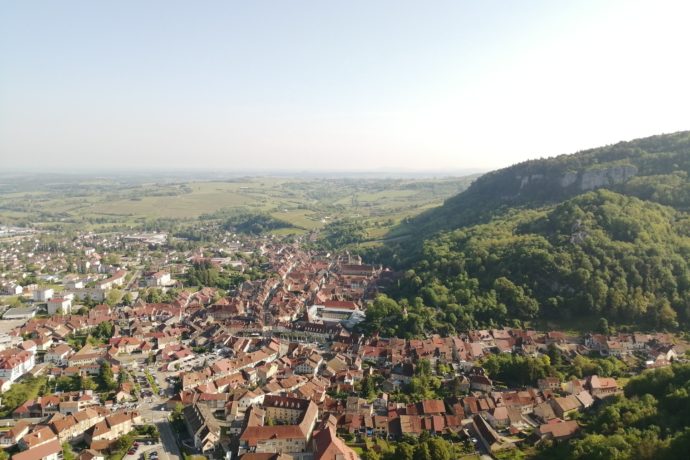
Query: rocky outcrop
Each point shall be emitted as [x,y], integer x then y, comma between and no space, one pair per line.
[526,180]
[583,180]
[569,179]
[603,177]
[600,177]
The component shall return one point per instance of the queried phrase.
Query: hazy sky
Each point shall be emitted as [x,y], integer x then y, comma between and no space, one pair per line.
[328,85]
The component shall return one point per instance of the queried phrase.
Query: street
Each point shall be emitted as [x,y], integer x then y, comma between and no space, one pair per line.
[153,411]
[171,450]
[133,279]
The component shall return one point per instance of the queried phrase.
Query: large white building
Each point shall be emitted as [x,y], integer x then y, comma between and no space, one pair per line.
[333,311]
[9,341]
[15,363]
[161,278]
[96,294]
[43,294]
[63,304]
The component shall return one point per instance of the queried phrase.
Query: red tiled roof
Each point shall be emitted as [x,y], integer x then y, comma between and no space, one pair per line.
[40,452]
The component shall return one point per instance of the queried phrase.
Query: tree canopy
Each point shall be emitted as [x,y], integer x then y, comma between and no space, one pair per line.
[601,253]
[648,422]
[254,223]
[603,233]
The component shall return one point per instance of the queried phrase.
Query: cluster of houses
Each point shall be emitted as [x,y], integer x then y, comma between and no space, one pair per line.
[267,378]
[272,369]
[95,426]
[236,389]
[305,300]
[74,269]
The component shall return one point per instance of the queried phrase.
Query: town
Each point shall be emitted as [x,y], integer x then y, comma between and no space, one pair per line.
[132,346]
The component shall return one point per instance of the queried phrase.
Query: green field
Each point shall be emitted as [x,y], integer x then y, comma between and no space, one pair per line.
[307,204]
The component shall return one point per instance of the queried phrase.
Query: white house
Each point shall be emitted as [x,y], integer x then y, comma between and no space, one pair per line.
[160,278]
[249,398]
[28,345]
[43,294]
[310,365]
[59,354]
[15,363]
[117,279]
[75,284]
[9,341]
[10,437]
[96,294]
[63,305]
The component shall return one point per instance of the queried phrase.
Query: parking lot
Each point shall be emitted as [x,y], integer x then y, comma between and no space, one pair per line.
[150,450]
[151,393]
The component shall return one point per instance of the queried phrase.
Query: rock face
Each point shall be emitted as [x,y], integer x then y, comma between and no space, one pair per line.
[584,180]
[593,179]
[526,180]
[568,179]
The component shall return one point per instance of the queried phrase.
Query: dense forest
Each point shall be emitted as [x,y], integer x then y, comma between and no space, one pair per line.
[341,233]
[599,234]
[253,223]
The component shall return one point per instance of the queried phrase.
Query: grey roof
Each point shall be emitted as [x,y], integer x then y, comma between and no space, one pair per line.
[19,311]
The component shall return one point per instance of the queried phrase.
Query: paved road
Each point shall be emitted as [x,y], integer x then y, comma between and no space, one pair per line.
[150,413]
[134,277]
[150,410]
[171,451]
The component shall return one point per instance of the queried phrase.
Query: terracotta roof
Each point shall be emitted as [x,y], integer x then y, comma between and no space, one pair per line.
[39,437]
[559,430]
[433,406]
[340,304]
[327,446]
[253,434]
[40,452]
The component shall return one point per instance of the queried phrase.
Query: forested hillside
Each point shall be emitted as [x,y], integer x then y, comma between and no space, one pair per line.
[654,168]
[602,233]
[649,422]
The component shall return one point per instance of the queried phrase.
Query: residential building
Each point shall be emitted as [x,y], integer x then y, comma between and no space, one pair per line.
[280,438]
[202,426]
[51,450]
[61,305]
[14,363]
[113,426]
[43,294]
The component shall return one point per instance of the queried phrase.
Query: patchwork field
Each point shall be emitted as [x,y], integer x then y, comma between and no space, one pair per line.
[307,204]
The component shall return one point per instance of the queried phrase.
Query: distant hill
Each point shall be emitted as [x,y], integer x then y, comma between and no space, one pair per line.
[654,168]
[600,233]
